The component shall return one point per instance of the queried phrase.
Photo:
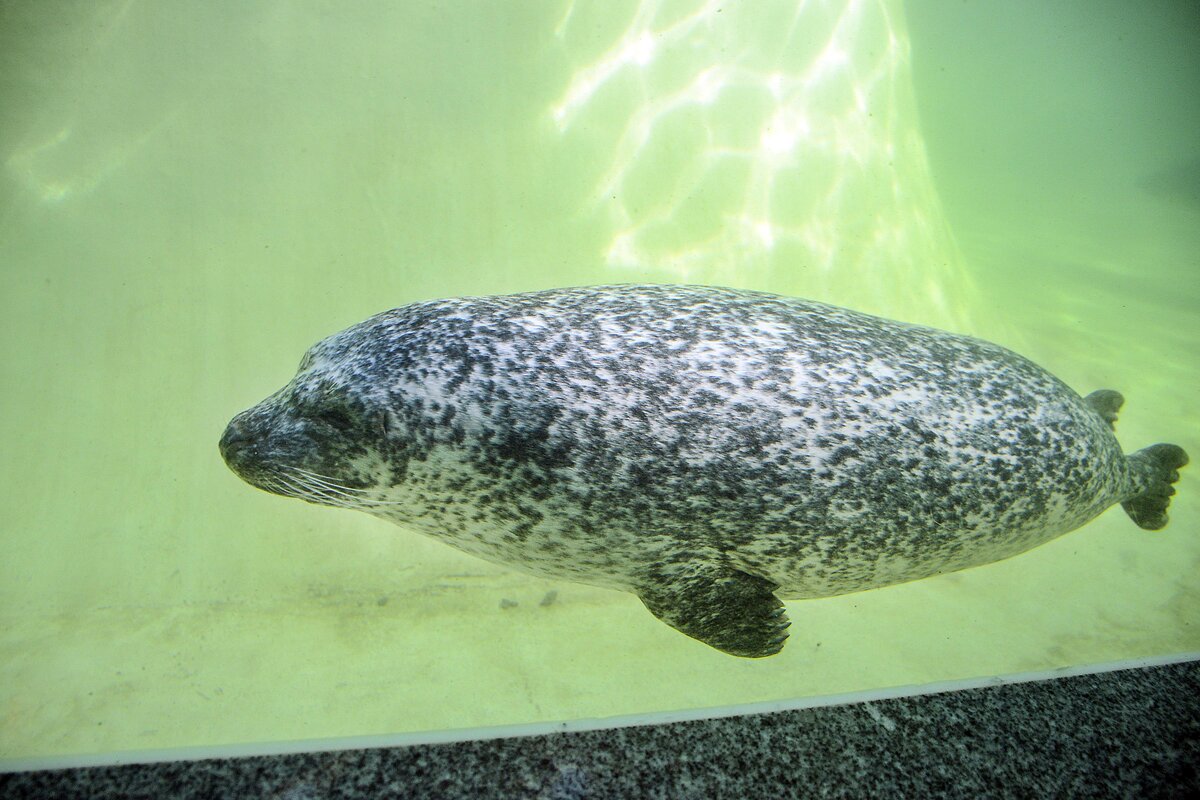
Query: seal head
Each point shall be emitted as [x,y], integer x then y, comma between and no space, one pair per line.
[324,437]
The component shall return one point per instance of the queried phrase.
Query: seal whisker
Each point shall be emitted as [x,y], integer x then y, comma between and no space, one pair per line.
[312,474]
[332,487]
[301,489]
[272,484]
[327,482]
[352,496]
[310,486]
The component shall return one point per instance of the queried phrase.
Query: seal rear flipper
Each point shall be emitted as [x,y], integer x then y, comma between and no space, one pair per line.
[733,611]
[1154,469]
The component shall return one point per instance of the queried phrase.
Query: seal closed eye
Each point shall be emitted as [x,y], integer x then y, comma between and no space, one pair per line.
[710,450]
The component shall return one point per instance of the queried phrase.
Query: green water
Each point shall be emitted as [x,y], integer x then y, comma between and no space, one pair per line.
[193,193]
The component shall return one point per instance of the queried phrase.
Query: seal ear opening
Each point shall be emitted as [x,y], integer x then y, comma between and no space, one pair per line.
[1155,468]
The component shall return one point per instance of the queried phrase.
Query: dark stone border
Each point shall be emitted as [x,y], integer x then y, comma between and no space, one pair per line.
[1133,733]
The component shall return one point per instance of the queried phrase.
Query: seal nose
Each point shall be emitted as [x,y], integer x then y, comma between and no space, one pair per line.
[234,439]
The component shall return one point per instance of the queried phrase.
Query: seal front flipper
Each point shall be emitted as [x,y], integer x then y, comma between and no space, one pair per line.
[1106,403]
[732,611]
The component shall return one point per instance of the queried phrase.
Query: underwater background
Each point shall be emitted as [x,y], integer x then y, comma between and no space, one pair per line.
[191,194]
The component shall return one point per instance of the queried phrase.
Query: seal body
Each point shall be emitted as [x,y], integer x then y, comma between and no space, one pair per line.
[708,449]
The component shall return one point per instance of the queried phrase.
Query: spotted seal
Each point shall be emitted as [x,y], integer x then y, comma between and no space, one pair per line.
[707,449]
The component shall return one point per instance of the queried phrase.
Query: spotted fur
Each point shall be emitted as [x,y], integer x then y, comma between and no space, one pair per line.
[708,449]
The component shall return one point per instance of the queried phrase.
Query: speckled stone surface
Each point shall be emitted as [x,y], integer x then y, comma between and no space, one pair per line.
[1134,733]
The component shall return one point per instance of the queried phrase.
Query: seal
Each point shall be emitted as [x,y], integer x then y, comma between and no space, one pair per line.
[708,449]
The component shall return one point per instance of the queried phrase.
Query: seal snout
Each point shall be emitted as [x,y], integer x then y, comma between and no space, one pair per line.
[264,446]
[234,438]
[236,446]
[246,448]
[249,444]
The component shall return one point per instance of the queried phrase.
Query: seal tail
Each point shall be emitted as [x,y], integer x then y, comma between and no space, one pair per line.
[1154,469]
